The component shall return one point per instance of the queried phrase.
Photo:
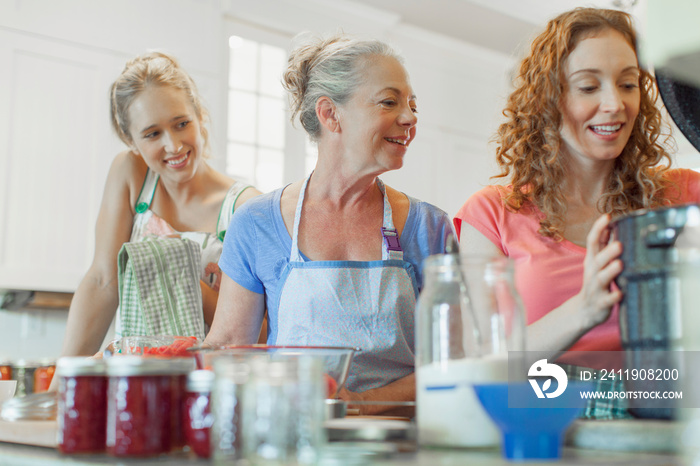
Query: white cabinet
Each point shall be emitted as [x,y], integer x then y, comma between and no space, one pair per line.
[55,149]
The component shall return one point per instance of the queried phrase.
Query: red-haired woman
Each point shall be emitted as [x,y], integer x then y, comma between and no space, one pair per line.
[582,142]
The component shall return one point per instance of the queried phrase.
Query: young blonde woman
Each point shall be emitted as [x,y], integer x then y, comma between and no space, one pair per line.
[161,186]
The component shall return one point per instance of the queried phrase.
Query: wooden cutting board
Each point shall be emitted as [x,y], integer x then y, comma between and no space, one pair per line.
[646,435]
[38,433]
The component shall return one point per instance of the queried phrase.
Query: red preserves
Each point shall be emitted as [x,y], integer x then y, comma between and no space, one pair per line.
[331,386]
[5,371]
[178,395]
[144,405]
[197,418]
[176,349]
[42,378]
[82,405]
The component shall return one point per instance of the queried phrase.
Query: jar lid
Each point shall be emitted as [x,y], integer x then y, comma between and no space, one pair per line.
[137,365]
[76,366]
[200,381]
[24,364]
[35,406]
[46,362]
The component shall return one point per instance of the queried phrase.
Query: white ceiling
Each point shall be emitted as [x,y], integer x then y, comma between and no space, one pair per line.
[502,25]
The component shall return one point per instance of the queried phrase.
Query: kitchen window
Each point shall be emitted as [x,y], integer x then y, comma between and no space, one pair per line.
[263,148]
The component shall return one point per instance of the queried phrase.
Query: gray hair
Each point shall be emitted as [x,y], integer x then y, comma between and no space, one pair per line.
[328,67]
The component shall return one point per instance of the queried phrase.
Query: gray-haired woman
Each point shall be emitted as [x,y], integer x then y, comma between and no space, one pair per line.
[336,257]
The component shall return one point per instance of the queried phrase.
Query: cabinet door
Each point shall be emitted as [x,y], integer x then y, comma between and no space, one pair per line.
[56,146]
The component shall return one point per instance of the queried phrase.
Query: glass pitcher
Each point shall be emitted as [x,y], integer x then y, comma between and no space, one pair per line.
[468,317]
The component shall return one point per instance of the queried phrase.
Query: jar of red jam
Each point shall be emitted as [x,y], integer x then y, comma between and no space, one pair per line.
[43,375]
[5,370]
[180,367]
[197,418]
[144,404]
[82,405]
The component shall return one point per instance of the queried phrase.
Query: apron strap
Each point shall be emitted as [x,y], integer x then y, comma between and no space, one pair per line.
[295,255]
[391,247]
[227,208]
[148,190]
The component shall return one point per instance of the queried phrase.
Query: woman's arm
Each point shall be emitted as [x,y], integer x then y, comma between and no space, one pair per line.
[209,296]
[97,297]
[403,389]
[239,315]
[563,326]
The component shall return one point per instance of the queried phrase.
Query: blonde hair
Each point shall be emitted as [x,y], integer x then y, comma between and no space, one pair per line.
[152,69]
[529,142]
[329,67]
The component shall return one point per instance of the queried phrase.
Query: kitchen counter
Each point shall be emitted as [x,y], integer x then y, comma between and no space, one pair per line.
[639,442]
[23,455]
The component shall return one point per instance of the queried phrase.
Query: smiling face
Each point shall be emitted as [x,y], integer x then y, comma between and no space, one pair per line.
[379,121]
[601,97]
[166,131]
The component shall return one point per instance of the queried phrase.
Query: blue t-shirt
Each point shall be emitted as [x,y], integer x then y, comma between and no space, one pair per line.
[257,245]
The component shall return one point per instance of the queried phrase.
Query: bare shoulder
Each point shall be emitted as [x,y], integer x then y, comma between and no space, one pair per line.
[400,205]
[246,195]
[126,175]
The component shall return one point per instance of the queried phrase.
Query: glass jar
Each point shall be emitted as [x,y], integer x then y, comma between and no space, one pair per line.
[23,373]
[468,317]
[144,405]
[232,372]
[197,416]
[82,405]
[43,375]
[5,370]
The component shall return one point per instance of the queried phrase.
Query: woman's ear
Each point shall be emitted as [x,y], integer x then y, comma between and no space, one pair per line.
[133,148]
[327,114]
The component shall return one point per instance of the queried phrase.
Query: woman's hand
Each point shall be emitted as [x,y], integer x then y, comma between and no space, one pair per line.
[600,267]
[400,390]
[563,326]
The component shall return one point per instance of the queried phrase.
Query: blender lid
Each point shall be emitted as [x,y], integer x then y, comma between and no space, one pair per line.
[682,100]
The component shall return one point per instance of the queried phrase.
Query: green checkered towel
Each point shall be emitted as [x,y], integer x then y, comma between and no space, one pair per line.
[159,291]
[600,408]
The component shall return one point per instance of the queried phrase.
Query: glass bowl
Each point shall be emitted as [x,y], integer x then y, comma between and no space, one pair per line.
[334,359]
[153,345]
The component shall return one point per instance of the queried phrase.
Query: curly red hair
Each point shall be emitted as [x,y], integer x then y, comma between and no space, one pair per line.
[529,141]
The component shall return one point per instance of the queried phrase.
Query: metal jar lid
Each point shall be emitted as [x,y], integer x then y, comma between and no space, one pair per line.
[77,366]
[35,406]
[122,366]
[200,381]
[25,364]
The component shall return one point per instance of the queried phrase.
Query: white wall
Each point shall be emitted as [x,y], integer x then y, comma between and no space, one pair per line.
[459,88]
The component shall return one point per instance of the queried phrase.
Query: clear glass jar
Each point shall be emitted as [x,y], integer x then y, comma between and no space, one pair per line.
[468,318]
[145,405]
[197,416]
[231,374]
[82,405]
